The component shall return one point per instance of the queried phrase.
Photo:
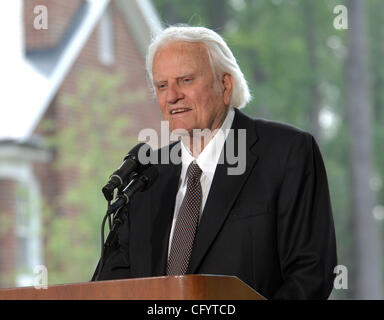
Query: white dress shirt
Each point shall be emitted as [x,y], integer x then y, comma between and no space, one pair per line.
[207,161]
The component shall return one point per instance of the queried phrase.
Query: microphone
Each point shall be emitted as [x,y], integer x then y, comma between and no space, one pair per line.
[118,178]
[139,182]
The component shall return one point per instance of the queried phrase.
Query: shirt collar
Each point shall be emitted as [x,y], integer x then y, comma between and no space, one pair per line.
[209,157]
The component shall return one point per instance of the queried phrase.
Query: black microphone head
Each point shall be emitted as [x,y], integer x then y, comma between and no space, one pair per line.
[132,162]
[120,178]
[108,191]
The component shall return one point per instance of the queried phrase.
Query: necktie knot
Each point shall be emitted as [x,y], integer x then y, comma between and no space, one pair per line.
[194,172]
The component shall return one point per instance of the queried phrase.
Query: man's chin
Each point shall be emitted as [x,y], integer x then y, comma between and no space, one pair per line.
[179,129]
[180,133]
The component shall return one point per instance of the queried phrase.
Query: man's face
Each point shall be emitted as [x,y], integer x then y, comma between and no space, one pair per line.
[188,93]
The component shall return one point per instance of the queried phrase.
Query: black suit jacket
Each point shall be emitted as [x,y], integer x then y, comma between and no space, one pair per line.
[271,226]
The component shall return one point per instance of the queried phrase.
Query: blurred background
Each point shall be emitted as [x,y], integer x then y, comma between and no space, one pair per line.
[74,96]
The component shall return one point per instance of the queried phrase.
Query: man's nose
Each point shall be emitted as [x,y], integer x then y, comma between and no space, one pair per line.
[174,94]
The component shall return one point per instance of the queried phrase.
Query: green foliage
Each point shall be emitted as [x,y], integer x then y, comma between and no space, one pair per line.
[89,148]
[6,223]
[376,46]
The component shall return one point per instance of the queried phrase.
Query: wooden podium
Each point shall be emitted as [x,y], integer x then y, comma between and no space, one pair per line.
[188,287]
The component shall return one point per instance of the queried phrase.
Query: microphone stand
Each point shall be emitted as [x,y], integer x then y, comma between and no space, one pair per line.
[119,208]
[119,216]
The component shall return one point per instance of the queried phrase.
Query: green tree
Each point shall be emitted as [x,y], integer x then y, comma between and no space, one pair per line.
[91,148]
[359,117]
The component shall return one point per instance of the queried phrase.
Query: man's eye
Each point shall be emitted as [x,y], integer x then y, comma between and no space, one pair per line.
[187,80]
[161,86]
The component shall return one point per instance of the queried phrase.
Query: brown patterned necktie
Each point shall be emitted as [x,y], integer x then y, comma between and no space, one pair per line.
[186,223]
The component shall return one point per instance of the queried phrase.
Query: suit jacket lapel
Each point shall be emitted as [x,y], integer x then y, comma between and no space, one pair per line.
[221,199]
[162,207]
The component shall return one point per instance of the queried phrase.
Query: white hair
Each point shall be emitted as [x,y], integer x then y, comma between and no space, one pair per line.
[221,57]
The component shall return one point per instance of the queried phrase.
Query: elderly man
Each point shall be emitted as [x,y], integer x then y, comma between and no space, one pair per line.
[270,225]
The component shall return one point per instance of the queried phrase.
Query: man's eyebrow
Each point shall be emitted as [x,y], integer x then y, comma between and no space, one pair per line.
[186,75]
[179,77]
[159,81]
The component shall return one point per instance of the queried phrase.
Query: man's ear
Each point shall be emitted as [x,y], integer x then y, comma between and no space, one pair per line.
[227,83]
